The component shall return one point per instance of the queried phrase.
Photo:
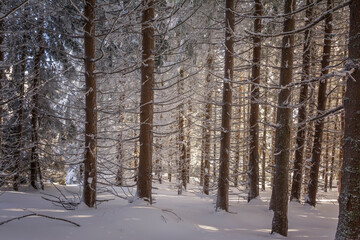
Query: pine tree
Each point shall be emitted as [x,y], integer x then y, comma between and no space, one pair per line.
[144,183]
[90,174]
[254,112]
[349,199]
[283,122]
[223,182]
[321,106]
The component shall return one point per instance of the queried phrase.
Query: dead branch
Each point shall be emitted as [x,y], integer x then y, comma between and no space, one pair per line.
[39,215]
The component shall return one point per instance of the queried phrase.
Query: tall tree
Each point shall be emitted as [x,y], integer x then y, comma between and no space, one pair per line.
[20,113]
[207,125]
[34,161]
[254,112]
[90,175]
[2,78]
[321,106]
[301,131]
[349,200]
[283,123]
[223,181]
[144,183]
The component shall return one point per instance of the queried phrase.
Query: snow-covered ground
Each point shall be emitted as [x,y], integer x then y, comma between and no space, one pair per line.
[188,217]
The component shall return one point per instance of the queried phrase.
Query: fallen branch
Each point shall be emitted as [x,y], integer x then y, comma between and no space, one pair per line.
[40,215]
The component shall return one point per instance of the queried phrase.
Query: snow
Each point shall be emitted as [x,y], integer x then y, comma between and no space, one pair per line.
[191,216]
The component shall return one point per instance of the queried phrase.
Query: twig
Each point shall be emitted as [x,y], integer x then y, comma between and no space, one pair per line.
[170,211]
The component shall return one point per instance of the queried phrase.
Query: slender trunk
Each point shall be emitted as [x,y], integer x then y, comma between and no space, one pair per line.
[34,163]
[207,127]
[272,198]
[326,159]
[90,176]
[301,131]
[181,138]
[2,78]
[321,106]
[19,144]
[333,152]
[188,143]
[238,142]
[254,112]
[349,199]
[119,179]
[202,160]
[136,156]
[120,152]
[215,141]
[341,153]
[223,182]
[283,122]
[263,161]
[146,105]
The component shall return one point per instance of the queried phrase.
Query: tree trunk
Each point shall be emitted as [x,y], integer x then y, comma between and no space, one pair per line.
[207,127]
[254,112]
[181,138]
[301,132]
[119,179]
[264,147]
[19,144]
[333,152]
[34,163]
[349,200]
[90,176]
[144,183]
[2,78]
[202,160]
[283,122]
[341,152]
[188,142]
[223,182]
[321,106]
[237,142]
[326,160]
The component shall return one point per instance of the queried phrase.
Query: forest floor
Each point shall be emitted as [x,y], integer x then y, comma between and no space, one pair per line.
[191,216]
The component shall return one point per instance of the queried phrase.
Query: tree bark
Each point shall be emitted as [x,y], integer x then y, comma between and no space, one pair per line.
[301,132]
[333,151]
[2,78]
[321,106]
[237,141]
[207,127]
[223,181]
[349,200]
[19,143]
[34,163]
[144,183]
[254,112]
[264,147]
[283,122]
[90,175]
[181,138]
